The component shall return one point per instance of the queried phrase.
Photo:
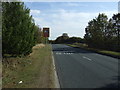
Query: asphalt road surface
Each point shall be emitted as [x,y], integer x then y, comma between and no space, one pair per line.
[78,68]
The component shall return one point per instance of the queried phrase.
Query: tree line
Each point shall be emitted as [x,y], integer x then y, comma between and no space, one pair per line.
[19,32]
[102,33]
[65,39]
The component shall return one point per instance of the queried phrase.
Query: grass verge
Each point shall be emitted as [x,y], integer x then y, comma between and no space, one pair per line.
[104,52]
[33,71]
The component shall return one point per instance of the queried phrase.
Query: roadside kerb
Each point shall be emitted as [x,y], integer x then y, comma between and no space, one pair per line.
[56,82]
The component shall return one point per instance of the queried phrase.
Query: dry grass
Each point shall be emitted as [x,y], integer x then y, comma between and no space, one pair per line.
[35,70]
[38,46]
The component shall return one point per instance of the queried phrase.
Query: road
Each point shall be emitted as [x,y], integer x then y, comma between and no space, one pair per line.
[78,68]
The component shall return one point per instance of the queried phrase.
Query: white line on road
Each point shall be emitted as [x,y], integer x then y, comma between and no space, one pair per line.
[58,53]
[65,53]
[87,58]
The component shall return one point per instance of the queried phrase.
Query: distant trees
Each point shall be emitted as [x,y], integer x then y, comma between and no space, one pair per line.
[38,35]
[66,39]
[18,29]
[62,39]
[75,40]
[103,34]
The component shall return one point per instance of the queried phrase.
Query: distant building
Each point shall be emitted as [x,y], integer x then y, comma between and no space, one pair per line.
[119,7]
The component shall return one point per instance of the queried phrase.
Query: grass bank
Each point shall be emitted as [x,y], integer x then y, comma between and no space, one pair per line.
[104,52]
[33,71]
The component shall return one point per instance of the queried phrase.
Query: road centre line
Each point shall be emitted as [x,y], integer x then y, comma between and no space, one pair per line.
[87,58]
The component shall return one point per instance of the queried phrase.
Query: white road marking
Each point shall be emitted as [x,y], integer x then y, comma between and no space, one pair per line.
[59,53]
[64,53]
[87,58]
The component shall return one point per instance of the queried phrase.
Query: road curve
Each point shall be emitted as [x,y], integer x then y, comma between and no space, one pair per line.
[78,68]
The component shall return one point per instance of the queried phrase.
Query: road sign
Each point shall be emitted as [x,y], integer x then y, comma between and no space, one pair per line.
[46,32]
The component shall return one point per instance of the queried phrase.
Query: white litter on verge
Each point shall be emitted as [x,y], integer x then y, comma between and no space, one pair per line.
[20,82]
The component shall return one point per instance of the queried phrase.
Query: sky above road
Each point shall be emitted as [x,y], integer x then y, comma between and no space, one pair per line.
[68,17]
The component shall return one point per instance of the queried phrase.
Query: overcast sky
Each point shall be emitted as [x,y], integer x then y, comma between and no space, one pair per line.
[68,17]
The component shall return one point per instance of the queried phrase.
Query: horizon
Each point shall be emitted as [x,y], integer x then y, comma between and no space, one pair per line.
[68,17]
